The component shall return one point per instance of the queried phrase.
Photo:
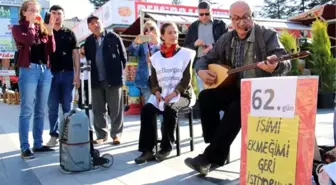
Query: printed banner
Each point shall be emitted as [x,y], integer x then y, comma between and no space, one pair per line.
[272,150]
[277,141]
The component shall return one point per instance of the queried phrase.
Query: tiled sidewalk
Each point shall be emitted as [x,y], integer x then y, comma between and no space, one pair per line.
[44,170]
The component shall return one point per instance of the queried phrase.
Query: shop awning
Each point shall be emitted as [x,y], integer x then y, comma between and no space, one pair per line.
[187,19]
[325,12]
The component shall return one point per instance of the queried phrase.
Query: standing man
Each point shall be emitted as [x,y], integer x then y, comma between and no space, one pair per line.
[65,70]
[203,33]
[246,44]
[108,58]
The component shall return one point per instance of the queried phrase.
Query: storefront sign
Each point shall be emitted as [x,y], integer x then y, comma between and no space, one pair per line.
[174,8]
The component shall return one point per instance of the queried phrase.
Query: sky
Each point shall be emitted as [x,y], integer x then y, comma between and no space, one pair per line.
[71,7]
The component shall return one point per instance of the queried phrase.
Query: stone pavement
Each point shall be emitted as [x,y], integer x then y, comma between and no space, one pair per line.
[44,170]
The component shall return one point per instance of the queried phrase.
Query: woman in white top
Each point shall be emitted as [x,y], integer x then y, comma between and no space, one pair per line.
[171,91]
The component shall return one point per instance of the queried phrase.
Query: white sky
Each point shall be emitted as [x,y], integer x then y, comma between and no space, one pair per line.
[82,8]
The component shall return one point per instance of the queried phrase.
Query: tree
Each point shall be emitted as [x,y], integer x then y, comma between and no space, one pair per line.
[98,3]
[278,9]
[309,4]
[176,2]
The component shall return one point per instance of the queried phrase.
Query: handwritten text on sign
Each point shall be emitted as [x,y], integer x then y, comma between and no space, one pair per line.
[273,97]
[271,150]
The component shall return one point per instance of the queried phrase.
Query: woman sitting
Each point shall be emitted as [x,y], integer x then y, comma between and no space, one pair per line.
[171,91]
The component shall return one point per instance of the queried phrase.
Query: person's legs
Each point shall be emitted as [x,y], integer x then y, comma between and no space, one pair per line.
[42,95]
[170,116]
[223,135]
[145,93]
[67,87]
[99,110]
[169,122]
[211,102]
[147,136]
[115,101]
[218,150]
[28,80]
[53,105]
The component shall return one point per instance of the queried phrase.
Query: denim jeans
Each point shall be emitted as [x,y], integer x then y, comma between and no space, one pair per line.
[199,83]
[60,93]
[34,84]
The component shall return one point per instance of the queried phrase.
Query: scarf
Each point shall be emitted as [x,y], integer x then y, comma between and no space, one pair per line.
[168,51]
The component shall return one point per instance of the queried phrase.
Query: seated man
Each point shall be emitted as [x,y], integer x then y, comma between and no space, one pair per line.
[247,43]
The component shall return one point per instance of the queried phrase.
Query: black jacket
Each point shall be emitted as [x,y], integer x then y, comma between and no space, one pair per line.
[218,29]
[114,56]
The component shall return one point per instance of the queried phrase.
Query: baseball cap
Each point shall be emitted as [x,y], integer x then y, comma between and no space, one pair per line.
[91,18]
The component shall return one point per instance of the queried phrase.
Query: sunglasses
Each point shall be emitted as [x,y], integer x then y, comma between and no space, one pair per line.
[204,14]
[148,29]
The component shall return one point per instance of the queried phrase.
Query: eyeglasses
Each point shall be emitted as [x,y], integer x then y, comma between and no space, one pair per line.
[237,19]
[33,10]
[204,14]
[148,29]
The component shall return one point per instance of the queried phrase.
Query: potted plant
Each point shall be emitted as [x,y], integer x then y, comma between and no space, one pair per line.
[288,40]
[323,64]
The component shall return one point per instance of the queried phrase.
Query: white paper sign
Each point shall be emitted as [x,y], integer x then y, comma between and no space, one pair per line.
[273,96]
[331,171]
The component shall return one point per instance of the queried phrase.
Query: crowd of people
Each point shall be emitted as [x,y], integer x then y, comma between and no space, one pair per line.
[49,63]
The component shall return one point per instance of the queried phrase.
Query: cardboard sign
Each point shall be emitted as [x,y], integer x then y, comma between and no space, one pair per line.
[278,130]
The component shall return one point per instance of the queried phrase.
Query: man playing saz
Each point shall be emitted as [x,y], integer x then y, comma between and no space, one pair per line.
[247,43]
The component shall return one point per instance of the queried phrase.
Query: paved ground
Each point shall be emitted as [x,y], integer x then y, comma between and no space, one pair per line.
[44,170]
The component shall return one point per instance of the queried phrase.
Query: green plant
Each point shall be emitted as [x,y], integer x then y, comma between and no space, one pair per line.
[322,62]
[288,40]
[194,83]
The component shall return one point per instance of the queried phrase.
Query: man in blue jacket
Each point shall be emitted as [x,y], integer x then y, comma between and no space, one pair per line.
[108,57]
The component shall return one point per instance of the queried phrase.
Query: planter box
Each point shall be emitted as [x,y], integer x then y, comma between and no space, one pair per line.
[326,100]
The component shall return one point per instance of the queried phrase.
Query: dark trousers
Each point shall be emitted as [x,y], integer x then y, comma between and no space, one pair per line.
[219,133]
[148,128]
[60,93]
[112,97]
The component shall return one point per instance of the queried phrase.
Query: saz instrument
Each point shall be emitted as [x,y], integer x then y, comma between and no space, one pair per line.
[226,75]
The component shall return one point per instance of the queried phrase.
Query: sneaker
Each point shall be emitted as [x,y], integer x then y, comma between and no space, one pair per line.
[53,142]
[199,164]
[27,154]
[162,155]
[43,149]
[144,157]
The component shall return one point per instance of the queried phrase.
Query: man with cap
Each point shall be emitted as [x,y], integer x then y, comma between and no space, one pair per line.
[107,54]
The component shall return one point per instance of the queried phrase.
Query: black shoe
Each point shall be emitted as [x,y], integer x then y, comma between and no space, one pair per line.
[162,155]
[199,164]
[43,149]
[27,154]
[144,157]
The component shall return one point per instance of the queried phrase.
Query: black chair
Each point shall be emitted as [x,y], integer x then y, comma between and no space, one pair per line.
[188,111]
